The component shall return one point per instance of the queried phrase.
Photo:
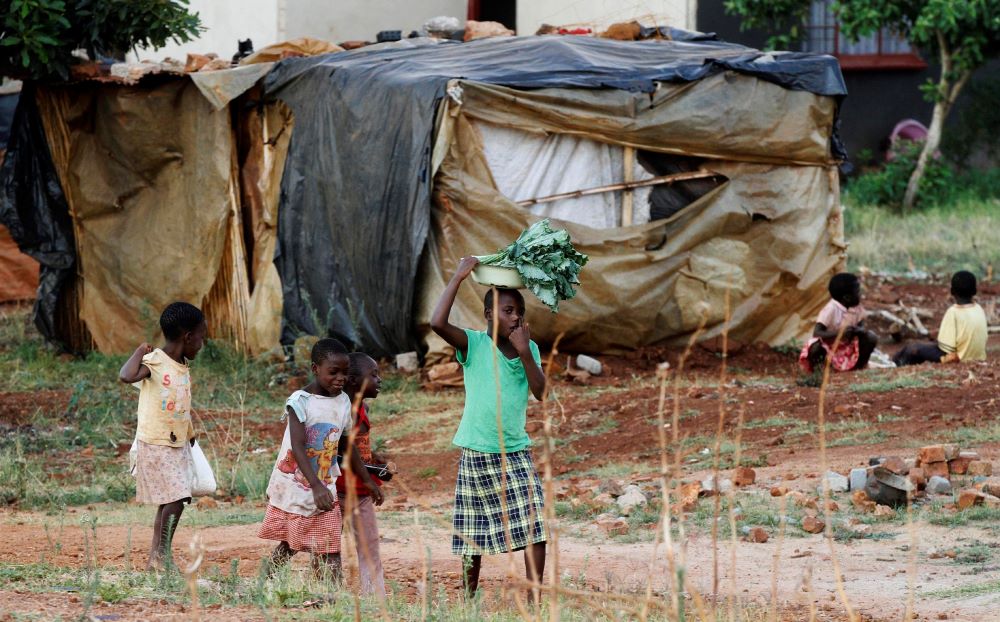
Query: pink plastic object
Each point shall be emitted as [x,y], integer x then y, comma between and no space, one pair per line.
[907,129]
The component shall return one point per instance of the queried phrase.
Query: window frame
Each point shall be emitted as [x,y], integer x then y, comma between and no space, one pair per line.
[862,62]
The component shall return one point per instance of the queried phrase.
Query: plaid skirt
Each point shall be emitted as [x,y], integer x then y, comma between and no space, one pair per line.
[479,518]
[319,533]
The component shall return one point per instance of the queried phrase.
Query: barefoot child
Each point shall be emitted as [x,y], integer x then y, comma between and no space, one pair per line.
[843,312]
[479,521]
[963,332]
[363,382]
[302,512]
[165,434]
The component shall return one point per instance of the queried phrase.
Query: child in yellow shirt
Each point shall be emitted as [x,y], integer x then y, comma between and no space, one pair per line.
[963,332]
[165,434]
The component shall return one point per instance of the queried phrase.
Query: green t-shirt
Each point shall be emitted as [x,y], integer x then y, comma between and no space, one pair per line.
[478,428]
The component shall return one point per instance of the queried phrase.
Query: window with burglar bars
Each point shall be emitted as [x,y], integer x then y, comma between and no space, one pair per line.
[881,50]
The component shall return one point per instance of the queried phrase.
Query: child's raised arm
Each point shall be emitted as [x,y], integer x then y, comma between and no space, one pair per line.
[133,370]
[452,334]
[297,433]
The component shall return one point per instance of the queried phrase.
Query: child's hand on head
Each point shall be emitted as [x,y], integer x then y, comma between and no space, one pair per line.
[465,267]
[520,338]
[323,498]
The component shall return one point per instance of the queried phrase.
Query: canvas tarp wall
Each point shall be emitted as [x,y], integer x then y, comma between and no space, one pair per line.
[771,233]
[167,204]
[356,193]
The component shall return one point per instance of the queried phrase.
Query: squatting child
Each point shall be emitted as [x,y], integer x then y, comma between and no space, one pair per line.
[302,512]
[164,433]
[479,526]
[363,382]
[963,332]
[843,313]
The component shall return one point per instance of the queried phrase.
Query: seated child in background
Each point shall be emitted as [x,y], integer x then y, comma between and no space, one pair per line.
[843,312]
[302,511]
[165,433]
[963,332]
[364,382]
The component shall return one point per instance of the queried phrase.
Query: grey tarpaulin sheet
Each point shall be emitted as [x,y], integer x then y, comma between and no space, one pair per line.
[355,208]
[33,208]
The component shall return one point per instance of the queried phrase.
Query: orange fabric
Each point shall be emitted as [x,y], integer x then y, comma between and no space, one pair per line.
[18,272]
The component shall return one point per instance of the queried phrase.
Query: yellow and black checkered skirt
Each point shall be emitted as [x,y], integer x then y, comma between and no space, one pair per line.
[479,523]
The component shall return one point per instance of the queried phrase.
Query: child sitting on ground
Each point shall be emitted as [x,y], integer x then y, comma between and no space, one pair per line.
[165,434]
[482,523]
[843,318]
[963,332]
[302,511]
[363,382]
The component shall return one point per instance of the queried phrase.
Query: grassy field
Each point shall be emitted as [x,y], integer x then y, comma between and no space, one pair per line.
[940,240]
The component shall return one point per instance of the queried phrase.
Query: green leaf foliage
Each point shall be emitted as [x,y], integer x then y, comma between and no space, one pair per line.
[38,37]
[546,260]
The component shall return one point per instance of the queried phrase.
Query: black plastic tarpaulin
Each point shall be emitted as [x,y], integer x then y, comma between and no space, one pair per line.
[356,191]
[34,209]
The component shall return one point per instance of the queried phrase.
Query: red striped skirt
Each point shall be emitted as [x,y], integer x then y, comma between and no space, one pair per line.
[319,533]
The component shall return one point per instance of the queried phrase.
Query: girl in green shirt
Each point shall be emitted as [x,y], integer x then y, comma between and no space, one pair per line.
[498,495]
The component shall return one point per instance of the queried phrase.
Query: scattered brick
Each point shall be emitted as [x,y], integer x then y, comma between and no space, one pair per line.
[932,453]
[779,491]
[860,500]
[757,534]
[918,477]
[959,466]
[884,511]
[939,469]
[951,451]
[968,498]
[896,465]
[812,524]
[980,468]
[744,476]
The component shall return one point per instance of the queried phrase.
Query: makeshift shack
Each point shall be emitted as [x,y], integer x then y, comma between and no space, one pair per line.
[405,159]
[699,176]
[135,192]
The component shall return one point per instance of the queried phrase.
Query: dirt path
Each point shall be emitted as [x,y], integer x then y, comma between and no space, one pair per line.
[877,573]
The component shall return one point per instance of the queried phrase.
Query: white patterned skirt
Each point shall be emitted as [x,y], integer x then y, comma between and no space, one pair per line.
[162,473]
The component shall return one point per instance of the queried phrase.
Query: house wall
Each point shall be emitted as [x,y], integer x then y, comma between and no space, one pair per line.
[598,13]
[225,23]
[876,100]
[343,20]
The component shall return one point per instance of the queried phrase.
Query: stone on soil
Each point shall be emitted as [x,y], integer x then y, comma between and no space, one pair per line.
[757,535]
[744,476]
[896,465]
[968,498]
[812,524]
[837,482]
[612,525]
[938,485]
[631,499]
[858,478]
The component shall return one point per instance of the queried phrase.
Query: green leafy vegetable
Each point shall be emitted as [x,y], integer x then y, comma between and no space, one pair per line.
[546,260]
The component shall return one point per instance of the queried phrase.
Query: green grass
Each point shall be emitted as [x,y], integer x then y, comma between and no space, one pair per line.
[967,591]
[889,384]
[963,236]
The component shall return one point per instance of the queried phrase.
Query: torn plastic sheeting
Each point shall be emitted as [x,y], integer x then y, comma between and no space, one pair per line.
[223,86]
[356,189]
[649,283]
[35,211]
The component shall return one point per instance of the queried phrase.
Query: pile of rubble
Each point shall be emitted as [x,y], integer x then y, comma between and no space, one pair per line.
[893,481]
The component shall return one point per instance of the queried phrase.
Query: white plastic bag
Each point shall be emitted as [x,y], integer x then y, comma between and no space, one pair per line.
[202,478]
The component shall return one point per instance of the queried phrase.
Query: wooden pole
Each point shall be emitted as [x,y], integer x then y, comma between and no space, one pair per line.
[654,181]
[628,196]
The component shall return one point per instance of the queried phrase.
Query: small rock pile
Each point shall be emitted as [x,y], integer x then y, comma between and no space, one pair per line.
[891,481]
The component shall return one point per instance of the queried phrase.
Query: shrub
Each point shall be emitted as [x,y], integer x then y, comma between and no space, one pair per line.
[886,186]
